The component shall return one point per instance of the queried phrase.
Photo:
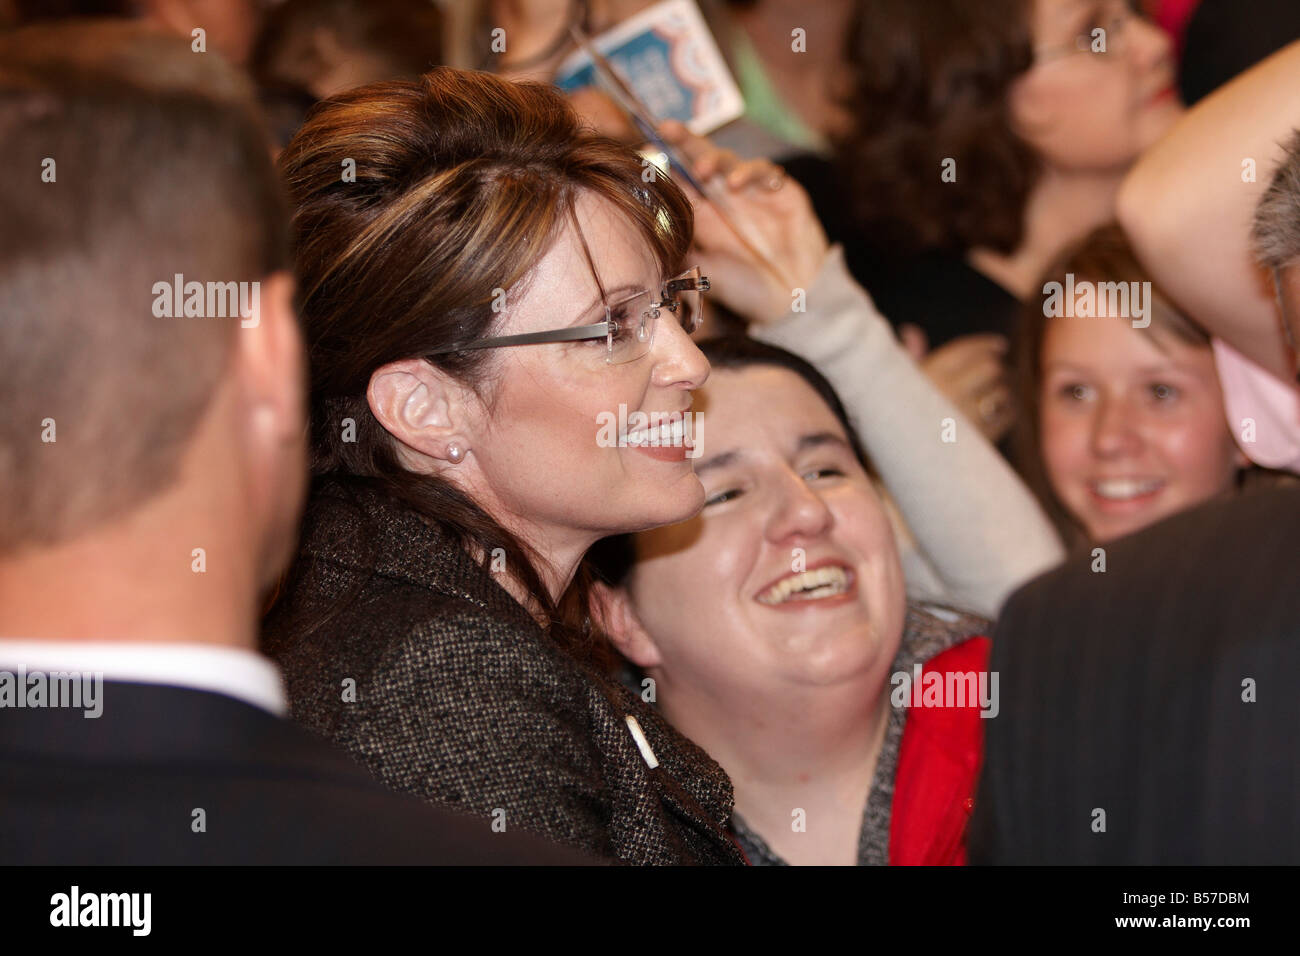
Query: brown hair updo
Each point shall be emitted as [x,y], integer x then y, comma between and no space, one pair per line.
[463,180]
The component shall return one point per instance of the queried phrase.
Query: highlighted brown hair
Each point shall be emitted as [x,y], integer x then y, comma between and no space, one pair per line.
[463,181]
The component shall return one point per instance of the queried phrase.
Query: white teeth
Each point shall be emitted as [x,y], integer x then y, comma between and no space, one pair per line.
[1122,489]
[809,586]
[671,434]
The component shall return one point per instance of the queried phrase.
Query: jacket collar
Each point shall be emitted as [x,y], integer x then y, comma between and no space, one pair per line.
[367,530]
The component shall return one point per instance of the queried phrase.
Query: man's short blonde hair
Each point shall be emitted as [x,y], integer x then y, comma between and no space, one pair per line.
[130,159]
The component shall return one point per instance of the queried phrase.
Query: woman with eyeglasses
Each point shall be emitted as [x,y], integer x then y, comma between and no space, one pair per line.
[989,137]
[484,287]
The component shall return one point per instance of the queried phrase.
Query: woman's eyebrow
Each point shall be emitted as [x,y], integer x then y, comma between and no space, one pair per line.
[819,439]
[720,460]
[611,295]
[1165,368]
[1053,367]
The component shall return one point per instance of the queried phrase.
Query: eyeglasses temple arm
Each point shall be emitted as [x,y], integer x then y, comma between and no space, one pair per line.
[575,334]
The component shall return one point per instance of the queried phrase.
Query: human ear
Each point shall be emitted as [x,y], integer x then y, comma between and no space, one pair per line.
[425,409]
[272,363]
[612,611]
[269,367]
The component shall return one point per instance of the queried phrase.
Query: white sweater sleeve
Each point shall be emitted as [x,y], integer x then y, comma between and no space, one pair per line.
[975,523]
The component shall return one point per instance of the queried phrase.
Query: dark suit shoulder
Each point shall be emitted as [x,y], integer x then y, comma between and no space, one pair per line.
[1246,539]
[1157,689]
[170,775]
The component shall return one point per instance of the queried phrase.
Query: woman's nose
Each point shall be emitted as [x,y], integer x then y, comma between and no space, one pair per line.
[678,361]
[1148,45]
[799,511]
[1115,429]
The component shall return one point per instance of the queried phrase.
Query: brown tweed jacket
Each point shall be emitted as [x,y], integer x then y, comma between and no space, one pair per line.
[432,675]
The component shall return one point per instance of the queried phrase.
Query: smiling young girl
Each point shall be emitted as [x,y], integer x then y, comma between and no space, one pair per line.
[1123,425]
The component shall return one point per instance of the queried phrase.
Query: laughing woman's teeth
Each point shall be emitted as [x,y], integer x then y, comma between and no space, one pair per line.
[1122,489]
[808,586]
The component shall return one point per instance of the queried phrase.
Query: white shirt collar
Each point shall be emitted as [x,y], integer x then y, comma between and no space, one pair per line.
[234,671]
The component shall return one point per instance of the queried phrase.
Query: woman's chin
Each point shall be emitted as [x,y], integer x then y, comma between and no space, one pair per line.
[672,505]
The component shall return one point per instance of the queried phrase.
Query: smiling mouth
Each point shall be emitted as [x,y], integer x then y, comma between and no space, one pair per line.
[817,585]
[668,434]
[1125,489]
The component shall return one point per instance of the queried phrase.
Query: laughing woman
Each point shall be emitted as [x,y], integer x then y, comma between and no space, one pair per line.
[774,630]
[482,285]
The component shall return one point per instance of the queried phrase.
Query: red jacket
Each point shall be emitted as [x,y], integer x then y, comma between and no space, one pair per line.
[938,763]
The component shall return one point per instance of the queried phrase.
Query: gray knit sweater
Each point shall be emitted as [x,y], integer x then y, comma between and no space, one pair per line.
[927,632]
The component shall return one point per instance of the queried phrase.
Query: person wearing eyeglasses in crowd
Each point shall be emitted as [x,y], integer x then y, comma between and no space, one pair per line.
[989,137]
[493,288]
[142,525]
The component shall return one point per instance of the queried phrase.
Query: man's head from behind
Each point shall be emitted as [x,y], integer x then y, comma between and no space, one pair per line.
[149,355]
[1277,237]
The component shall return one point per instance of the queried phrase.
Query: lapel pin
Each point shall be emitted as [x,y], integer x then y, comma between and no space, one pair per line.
[642,744]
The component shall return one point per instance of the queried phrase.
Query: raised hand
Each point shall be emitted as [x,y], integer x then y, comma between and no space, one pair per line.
[760,275]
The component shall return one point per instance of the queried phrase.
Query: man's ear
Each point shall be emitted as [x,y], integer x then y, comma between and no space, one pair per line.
[272,362]
[612,611]
[422,407]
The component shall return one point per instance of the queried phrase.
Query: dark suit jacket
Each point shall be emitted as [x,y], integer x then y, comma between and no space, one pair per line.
[462,699]
[1123,692]
[123,788]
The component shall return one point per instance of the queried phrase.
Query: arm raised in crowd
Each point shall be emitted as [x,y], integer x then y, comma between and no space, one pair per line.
[1188,206]
[976,524]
